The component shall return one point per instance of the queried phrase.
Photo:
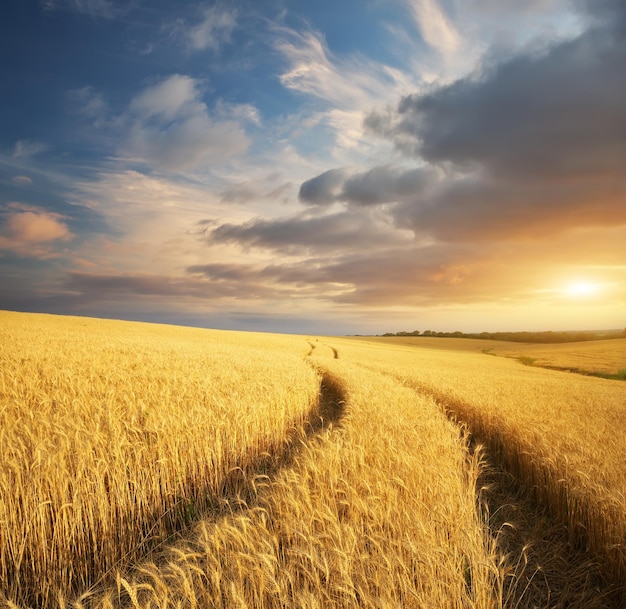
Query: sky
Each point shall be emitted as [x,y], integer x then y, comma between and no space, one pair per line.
[327,167]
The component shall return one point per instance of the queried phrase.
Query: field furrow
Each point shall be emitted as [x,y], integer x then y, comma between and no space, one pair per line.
[541,565]
[153,467]
[115,436]
[378,511]
[560,437]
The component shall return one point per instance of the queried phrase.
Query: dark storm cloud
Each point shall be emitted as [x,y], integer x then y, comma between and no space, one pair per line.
[519,179]
[303,277]
[442,274]
[491,209]
[613,11]
[322,189]
[532,146]
[384,184]
[305,233]
[550,116]
[422,276]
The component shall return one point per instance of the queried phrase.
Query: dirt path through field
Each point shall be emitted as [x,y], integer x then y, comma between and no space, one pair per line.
[241,488]
[324,349]
[546,568]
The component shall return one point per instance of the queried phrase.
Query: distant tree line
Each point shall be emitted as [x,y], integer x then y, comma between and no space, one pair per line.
[523,337]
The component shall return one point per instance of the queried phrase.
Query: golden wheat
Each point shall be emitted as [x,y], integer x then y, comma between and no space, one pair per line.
[114,435]
[153,466]
[561,434]
[593,357]
[378,511]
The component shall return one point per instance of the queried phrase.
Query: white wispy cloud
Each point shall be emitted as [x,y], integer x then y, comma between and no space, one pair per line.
[172,96]
[89,102]
[95,8]
[346,82]
[213,30]
[171,128]
[22,180]
[28,148]
[151,219]
[245,113]
[342,89]
[434,25]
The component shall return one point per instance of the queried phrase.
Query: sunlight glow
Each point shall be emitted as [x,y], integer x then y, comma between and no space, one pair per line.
[582,288]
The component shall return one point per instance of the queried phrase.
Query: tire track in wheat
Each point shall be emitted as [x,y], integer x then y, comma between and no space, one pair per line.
[241,488]
[547,565]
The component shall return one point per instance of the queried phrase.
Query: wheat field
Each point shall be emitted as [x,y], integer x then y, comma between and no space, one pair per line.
[597,357]
[593,357]
[562,435]
[377,511]
[157,466]
[115,435]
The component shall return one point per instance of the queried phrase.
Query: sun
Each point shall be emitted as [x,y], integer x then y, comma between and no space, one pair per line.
[579,289]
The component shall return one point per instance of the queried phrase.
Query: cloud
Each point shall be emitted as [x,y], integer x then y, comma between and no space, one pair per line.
[28,148]
[383,184]
[324,188]
[171,128]
[158,224]
[192,301]
[304,234]
[96,8]
[548,115]
[514,181]
[29,227]
[213,30]
[531,147]
[497,6]
[245,113]
[405,276]
[380,273]
[22,180]
[612,11]
[346,83]
[340,87]
[28,230]
[143,217]
[482,209]
[386,184]
[434,26]
[168,99]
[351,264]
[473,192]
[113,287]
[88,103]
[295,280]
[271,187]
